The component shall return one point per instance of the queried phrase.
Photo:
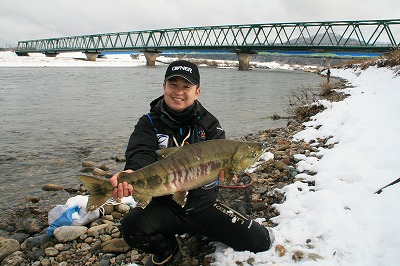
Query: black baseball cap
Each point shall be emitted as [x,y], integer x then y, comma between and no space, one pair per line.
[183,69]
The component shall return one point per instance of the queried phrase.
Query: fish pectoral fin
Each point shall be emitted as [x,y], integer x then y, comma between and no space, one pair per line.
[229,176]
[142,199]
[164,153]
[180,197]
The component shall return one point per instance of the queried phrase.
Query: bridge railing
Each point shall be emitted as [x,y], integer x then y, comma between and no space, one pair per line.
[368,35]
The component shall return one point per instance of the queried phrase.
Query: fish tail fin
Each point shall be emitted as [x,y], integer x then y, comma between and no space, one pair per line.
[100,191]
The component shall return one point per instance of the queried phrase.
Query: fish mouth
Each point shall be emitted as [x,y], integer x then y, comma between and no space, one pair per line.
[263,147]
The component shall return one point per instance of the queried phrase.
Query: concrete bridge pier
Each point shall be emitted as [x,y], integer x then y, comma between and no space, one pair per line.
[22,54]
[244,60]
[181,56]
[151,57]
[51,54]
[91,56]
[135,56]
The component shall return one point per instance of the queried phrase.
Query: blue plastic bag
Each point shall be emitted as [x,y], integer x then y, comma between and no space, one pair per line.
[59,216]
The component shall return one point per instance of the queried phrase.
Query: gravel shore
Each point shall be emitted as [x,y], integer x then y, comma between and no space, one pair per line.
[23,239]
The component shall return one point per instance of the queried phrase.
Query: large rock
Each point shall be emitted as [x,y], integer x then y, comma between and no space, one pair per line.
[95,229]
[37,241]
[52,187]
[35,254]
[69,233]
[7,247]
[15,259]
[120,158]
[20,237]
[116,246]
[33,225]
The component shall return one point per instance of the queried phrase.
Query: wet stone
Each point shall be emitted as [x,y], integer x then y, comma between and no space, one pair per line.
[259,206]
[7,247]
[52,187]
[20,237]
[117,246]
[69,233]
[51,252]
[98,172]
[120,158]
[14,259]
[89,164]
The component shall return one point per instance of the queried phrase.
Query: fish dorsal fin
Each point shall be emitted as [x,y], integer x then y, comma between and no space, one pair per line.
[164,153]
[180,197]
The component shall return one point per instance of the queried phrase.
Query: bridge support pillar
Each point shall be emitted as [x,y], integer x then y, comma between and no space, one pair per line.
[135,56]
[91,56]
[22,54]
[244,60]
[181,56]
[50,54]
[151,58]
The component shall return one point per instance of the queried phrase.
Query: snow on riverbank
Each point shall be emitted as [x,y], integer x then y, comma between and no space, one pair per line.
[341,221]
[75,59]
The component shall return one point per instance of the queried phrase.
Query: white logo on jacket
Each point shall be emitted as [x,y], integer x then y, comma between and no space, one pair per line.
[162,140]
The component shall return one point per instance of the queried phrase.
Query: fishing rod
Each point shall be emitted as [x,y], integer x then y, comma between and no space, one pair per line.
[381,189]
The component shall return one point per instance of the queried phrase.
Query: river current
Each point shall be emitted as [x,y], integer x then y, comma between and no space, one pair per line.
[53,118]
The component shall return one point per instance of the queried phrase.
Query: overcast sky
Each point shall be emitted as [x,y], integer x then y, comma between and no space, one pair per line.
[37,19]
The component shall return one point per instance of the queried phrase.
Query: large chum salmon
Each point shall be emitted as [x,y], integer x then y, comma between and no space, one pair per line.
[180,169]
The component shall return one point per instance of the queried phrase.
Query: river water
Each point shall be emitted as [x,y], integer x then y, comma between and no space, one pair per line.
[53,118]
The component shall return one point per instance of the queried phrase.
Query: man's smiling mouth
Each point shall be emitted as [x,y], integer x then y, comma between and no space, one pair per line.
[177,99]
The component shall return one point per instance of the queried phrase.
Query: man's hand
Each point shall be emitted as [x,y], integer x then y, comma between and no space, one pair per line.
[121,189]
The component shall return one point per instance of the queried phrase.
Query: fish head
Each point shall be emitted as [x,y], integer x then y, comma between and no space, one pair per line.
[247,154]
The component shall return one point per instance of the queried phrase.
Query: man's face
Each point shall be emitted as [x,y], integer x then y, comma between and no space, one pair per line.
[179,94]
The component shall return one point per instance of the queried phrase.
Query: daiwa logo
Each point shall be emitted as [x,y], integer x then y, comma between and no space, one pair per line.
[184,68]
[201,134]
[162,140]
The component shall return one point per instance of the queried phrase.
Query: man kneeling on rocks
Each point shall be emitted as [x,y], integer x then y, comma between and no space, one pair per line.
[175,119]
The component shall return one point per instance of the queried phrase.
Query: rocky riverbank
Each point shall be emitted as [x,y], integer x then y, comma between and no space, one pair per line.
[24,240]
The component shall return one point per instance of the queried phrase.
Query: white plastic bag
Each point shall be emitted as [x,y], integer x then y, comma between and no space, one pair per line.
[82,217]
[73,213]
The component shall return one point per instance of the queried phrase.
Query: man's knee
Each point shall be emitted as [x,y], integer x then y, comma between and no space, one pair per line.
[141,232]
[262,240]
[136,227]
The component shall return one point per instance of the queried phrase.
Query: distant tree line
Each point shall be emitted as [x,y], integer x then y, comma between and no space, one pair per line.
[8,49]
[265,58]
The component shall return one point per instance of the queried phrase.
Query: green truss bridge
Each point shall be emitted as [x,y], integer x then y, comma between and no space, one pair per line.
[369,36]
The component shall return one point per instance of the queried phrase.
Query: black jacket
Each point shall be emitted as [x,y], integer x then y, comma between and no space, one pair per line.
[161,128]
